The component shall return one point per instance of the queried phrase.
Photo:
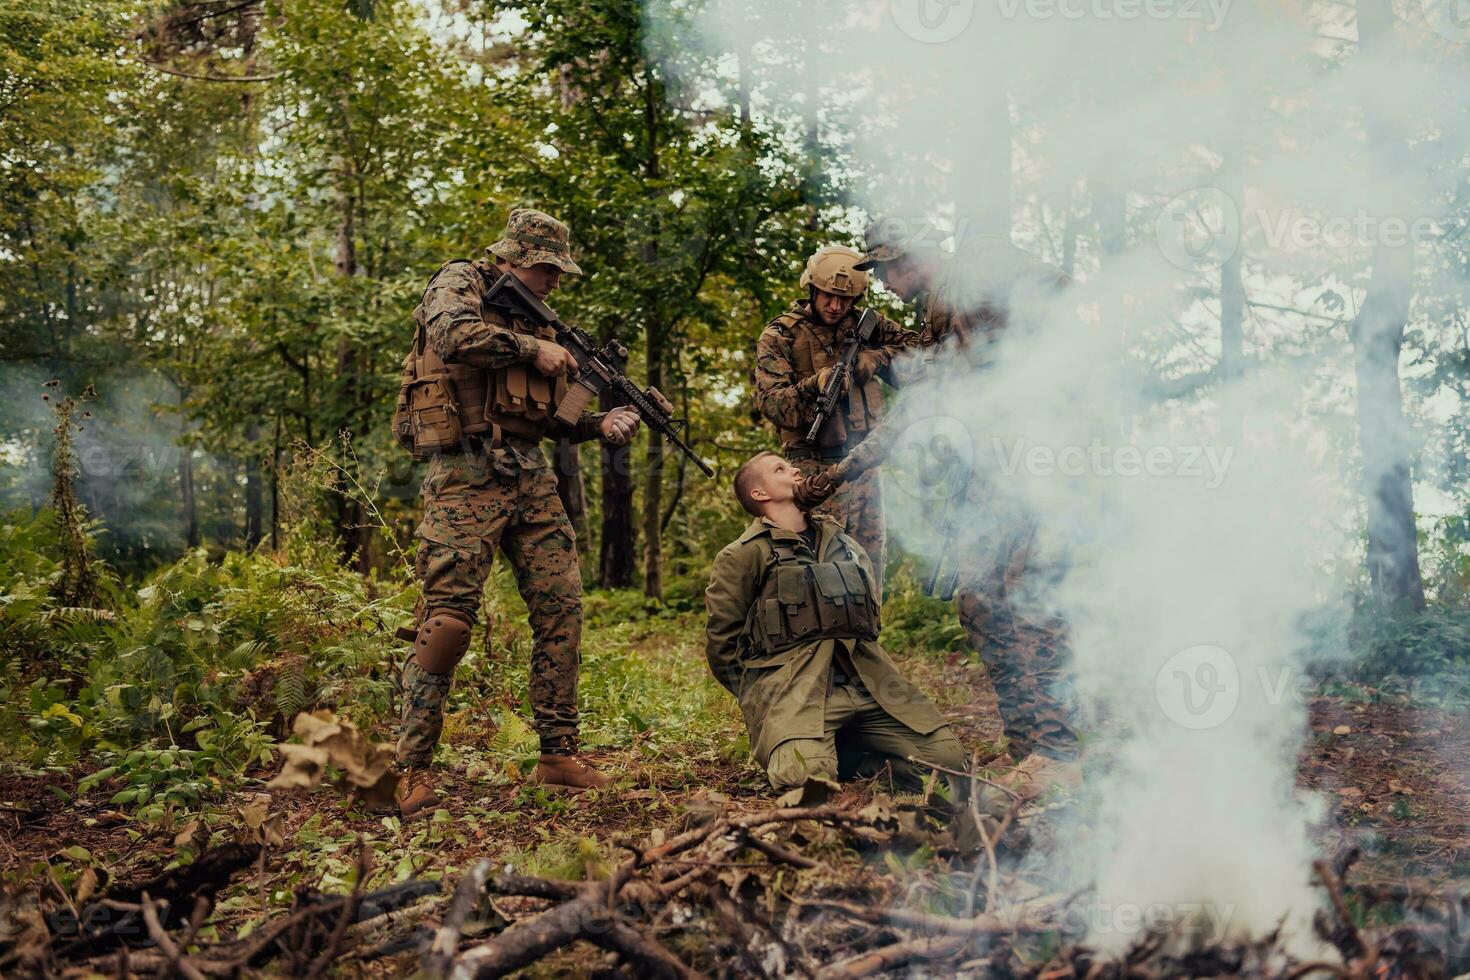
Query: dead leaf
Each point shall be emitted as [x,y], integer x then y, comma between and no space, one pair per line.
[1343,730]
[261,826]
[86,886]
[1349,792]
[366,766]
[303,769]
[193,836]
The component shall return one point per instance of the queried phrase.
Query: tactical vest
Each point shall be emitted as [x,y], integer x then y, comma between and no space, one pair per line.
[814,347]
[802,600]
[439,404]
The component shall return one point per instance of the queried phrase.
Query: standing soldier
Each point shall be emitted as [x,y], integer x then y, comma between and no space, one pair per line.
[492,489]
[1029,663]
[794,360]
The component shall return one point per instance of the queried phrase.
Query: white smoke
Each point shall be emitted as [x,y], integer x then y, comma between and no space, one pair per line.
[1185,539]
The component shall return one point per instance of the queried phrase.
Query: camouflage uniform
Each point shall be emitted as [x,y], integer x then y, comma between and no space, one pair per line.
[1029,663]
[791,350]
[497,492]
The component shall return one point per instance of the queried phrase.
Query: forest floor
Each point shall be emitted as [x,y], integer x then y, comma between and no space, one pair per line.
[1394,776]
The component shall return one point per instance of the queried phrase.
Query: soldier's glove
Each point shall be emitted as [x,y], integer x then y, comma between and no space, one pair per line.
[866,365]
[661,401]
[824,376]
[815,490]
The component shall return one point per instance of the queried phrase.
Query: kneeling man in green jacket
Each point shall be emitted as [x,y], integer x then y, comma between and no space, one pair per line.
[792,633]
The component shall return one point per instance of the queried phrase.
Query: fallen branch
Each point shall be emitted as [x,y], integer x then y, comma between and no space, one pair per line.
[174,957]
[892,956]
[440,954]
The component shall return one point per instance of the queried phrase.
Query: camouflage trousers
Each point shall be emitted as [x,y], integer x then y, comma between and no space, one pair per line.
[858,507]
[475,503]
[1030,664]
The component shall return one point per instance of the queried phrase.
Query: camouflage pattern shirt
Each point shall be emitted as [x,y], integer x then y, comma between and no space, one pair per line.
[461,329]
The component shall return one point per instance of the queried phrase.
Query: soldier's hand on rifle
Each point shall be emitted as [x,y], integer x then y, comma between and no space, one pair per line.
[866,365]
[554,360]
[824,376]
[815,489]
[620,425]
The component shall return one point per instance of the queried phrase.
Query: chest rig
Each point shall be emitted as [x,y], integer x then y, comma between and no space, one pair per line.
[814,347]
[803,599]
[441,403]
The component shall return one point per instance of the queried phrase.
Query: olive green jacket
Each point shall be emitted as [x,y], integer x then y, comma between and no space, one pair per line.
[784,695]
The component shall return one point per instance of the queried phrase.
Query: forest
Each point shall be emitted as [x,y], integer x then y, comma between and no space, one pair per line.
[1236,442]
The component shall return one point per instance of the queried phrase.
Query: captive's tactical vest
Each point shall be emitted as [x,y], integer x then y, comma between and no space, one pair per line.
[439,404]
[802,600]
[814,347]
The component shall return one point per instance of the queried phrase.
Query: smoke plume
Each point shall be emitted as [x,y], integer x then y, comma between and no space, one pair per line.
[1187,492]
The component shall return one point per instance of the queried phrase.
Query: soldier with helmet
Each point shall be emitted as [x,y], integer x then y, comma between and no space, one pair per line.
[491,488]
[794,360]
[965,316]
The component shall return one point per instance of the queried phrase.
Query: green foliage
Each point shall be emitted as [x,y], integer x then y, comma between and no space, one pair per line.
[914,621]
[38,630]
[1408,644]
[182,686]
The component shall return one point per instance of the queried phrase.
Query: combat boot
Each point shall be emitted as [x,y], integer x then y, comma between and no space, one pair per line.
[416,796]
[566,772]
[1037,773]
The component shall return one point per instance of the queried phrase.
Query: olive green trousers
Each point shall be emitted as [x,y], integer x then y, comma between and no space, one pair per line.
[862,739]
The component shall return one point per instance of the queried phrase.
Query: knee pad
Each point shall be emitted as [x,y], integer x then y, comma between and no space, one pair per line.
[442,640]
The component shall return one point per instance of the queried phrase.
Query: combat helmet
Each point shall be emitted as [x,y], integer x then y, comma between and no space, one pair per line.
[831,269]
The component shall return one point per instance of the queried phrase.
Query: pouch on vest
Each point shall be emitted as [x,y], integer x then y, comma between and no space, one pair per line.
[859,594]
[402,419]
[791,589]
[832,600]
[434,415]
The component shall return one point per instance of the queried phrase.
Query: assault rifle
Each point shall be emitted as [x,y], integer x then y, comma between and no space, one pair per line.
[836,382]
[599,369]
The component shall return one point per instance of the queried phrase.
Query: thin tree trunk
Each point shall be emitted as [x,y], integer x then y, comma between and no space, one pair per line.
[655,344]
[1378,337]
[653,581]
[254,505]
[567,463]
[356,535]
[617,563]
[276,487]
[186,493]
[1232,306]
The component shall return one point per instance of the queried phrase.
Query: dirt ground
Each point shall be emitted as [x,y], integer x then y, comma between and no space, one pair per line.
[1395,777]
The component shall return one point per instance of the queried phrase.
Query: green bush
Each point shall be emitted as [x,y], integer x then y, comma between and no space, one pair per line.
[186,683]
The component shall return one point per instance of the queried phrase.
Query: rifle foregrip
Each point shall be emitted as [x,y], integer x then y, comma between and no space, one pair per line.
[574,403]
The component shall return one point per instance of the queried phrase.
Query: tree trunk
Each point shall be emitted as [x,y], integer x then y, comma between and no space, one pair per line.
[352,526]
[653,486]
[1232,307]
[254,504]
[276,487]
[1378,337]
[655,343]
[567,463]
[186,493]
[616,563]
